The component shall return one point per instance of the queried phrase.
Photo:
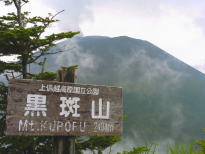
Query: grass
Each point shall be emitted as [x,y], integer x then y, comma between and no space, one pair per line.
[184,149]
[180,148]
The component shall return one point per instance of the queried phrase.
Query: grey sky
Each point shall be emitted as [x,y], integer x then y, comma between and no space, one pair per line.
[74,13]
[177,26]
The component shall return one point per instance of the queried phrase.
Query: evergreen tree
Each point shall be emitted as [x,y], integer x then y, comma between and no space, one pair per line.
[23,36]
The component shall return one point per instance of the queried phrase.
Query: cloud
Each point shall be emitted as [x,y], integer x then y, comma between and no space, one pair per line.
[171,26]
[75,13]
[74,55]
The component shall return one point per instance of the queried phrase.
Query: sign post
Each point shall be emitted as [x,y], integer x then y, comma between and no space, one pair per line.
[65,144]
[45,108]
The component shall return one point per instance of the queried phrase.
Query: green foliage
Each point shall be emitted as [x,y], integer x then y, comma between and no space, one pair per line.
[49,76]
[151,149]
[137,150]
[24,145]
[16,39]
[3,97]
[96,143]
[184,149]
[9,66]
[181,148]
[201,143]
[124,117]
[9,2]
[73,67]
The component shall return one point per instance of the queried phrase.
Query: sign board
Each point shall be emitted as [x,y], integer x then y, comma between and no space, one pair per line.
[60,108]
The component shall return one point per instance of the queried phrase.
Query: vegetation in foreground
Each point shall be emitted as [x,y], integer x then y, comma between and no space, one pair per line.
[181,148]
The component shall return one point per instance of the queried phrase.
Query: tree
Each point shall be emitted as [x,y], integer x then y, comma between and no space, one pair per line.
[22,35]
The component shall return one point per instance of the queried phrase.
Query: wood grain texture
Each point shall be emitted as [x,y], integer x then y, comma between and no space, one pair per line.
[54,124]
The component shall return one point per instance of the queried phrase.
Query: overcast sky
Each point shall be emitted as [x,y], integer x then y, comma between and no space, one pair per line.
[176,26]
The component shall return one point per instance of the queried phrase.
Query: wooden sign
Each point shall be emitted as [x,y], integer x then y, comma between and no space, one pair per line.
[57,108]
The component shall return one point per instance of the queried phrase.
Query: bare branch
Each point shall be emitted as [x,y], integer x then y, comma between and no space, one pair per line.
[12,73]
[47,24]
[48,53]
[23,4]
[43,54]
[57,14]
[7,78]
[16,4]
[52,53]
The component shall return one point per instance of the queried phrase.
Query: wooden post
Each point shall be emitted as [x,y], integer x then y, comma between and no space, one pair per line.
[65,144]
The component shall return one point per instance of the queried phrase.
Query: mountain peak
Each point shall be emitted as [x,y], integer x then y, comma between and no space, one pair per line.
[159,90]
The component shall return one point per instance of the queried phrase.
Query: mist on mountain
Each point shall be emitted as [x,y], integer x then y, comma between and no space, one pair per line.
[163,97]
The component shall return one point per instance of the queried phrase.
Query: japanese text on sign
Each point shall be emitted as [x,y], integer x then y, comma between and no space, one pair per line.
[69,89]
[57,108]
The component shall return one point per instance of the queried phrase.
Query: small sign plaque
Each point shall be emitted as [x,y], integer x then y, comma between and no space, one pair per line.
[60,108]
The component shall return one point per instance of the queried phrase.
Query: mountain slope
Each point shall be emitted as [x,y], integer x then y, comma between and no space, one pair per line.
[163,97]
